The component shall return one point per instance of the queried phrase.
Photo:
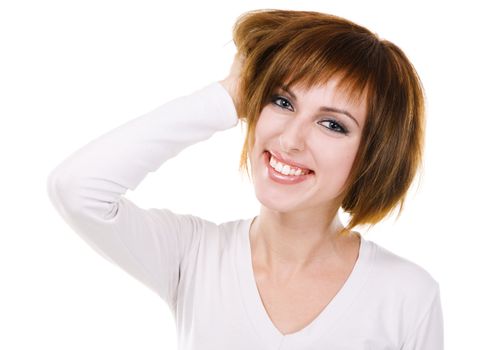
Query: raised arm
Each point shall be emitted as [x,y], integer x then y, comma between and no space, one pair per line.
[87,188]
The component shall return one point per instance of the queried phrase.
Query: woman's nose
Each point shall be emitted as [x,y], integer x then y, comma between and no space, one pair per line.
[292,138]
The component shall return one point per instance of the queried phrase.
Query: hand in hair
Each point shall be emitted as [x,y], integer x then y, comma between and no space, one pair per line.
[231,82]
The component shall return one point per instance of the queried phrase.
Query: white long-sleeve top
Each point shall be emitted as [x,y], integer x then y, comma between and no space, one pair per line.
[203,271]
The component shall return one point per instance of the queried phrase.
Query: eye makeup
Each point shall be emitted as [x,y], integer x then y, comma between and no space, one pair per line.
[330,124]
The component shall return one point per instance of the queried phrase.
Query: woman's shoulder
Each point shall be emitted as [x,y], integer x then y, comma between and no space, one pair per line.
[236,224]
[402,294]
[400,274]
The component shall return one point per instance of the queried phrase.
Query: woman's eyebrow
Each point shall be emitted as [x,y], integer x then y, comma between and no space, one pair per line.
[323,108]
[342,111]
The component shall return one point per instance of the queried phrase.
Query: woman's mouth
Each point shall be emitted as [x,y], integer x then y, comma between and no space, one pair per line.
[283,172]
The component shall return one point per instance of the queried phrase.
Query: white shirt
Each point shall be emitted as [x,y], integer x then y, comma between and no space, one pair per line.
[203,271]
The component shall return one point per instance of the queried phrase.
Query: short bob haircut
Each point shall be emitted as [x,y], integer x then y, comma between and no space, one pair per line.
[309,48]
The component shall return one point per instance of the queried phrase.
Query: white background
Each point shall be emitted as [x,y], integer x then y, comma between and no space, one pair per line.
[72,70]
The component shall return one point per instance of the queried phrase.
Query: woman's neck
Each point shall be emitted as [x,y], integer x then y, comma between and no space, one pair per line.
[297,240]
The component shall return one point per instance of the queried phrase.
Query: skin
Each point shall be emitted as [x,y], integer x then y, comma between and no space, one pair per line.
[296,232]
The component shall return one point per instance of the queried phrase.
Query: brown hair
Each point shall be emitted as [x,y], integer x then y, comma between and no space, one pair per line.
[309,48]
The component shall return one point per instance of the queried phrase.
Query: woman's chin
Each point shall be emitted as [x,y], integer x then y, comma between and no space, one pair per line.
[275,203]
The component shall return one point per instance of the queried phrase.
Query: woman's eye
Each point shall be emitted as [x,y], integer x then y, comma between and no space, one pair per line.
[334,126]
[282,102]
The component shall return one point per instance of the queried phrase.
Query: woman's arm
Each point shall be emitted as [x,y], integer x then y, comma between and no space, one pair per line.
[88,188]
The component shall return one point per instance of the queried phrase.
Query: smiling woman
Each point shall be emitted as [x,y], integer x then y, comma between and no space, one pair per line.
[372,76]
[334,120]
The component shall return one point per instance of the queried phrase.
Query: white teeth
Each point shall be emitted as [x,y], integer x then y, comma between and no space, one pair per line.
[285,168]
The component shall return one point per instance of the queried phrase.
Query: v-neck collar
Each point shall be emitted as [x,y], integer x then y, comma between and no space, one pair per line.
[328,318]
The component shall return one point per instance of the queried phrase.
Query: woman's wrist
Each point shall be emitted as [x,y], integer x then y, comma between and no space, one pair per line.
[231,86]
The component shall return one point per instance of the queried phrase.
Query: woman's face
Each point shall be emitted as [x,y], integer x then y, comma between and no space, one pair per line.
[314,133]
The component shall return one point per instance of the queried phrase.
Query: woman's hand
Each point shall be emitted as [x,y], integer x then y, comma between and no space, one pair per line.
[231,82]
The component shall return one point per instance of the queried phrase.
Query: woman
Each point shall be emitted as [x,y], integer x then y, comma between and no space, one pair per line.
[334,120]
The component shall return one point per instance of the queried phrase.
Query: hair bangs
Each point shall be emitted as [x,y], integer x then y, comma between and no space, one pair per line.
[316,56]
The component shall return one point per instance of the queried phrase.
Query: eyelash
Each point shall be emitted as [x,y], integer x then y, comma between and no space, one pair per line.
[336,128]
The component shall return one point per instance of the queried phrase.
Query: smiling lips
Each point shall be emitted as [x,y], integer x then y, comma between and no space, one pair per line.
[286,169]
[283,172]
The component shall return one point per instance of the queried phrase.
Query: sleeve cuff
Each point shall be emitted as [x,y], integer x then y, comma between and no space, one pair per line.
[227,114]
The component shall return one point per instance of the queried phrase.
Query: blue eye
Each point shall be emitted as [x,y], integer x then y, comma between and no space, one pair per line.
[282,102]
[334,126]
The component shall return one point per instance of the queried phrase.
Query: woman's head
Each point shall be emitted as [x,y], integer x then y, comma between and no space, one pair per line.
[314,53]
